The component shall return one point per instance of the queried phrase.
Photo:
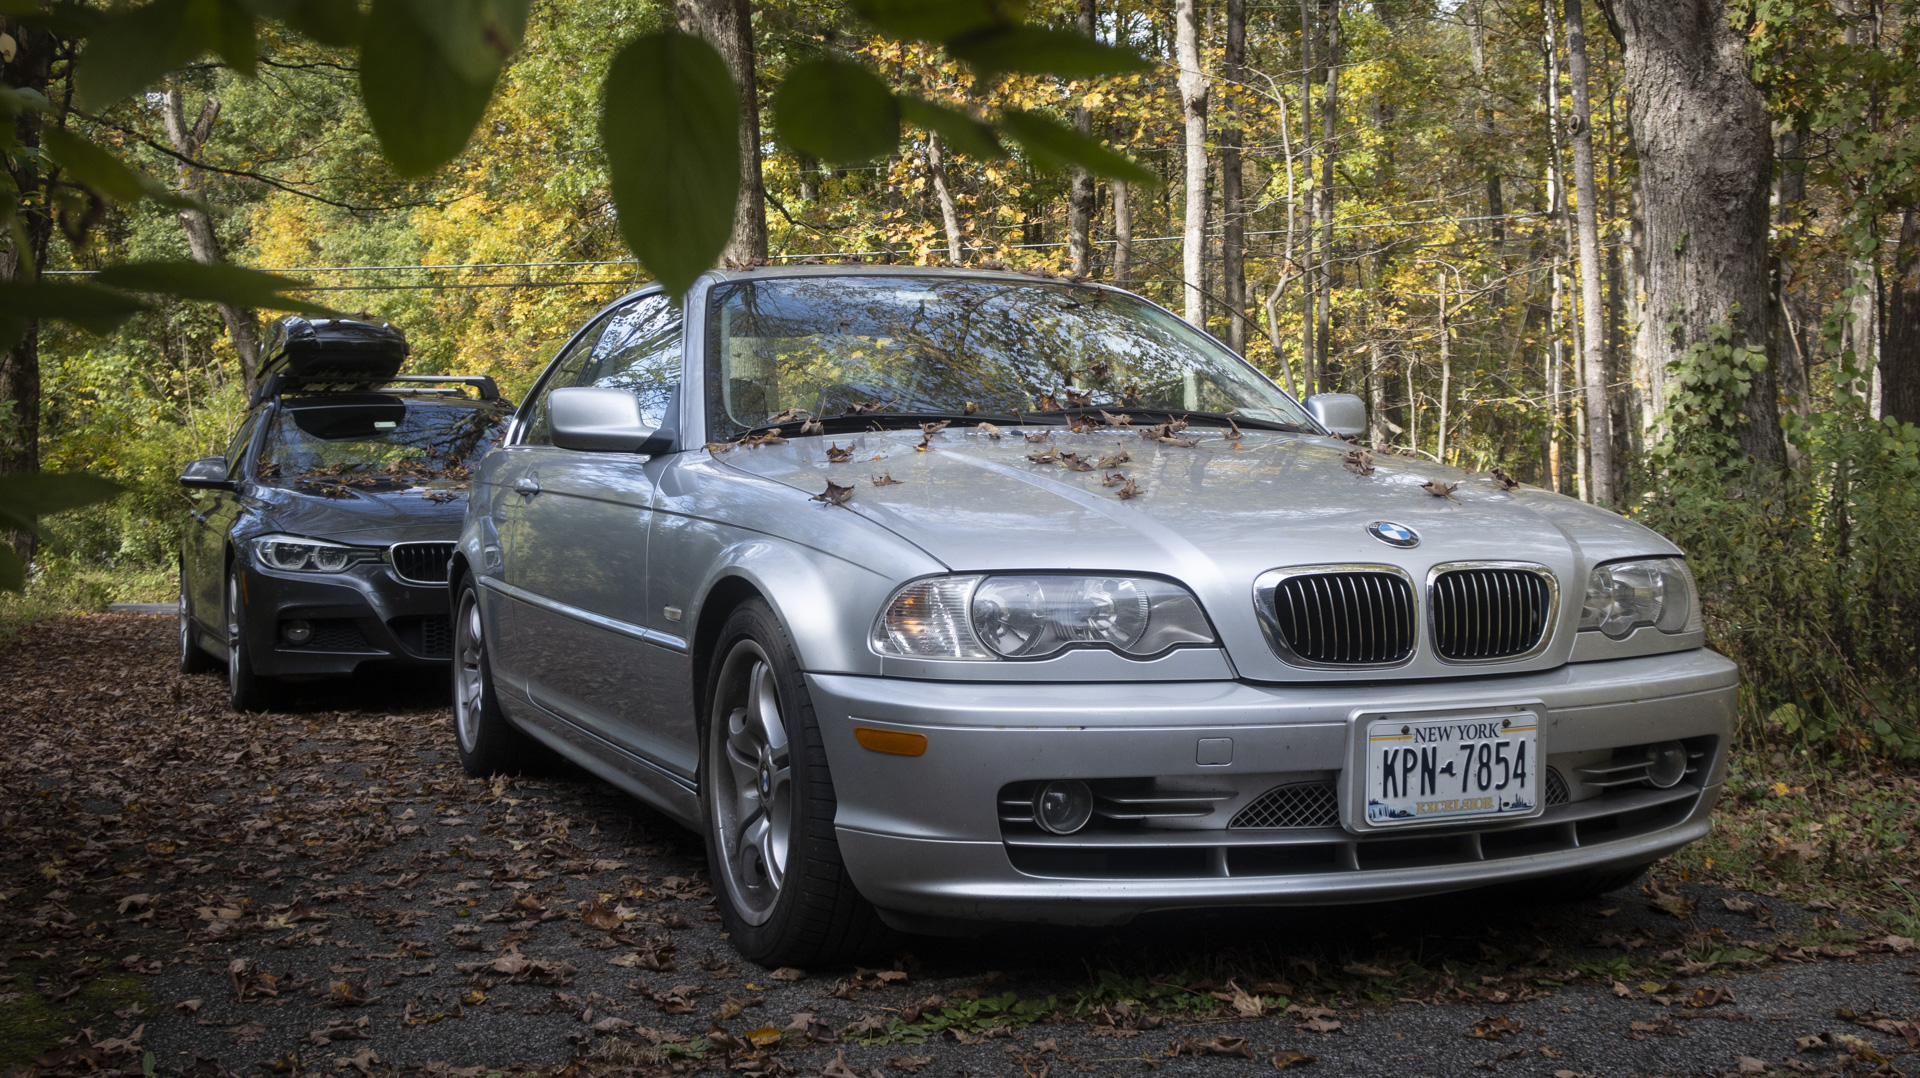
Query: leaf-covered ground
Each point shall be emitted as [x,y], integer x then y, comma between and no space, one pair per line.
[187,891]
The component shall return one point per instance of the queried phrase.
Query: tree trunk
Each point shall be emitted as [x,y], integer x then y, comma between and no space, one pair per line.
[727,25]
[1789,337]
[1477,50]
[949,216]
[1593,354]
[1193,108]
[1329,119]
[1705,149]
[1900,351]
[1309,357]
[30,69]
[1446,370]
[1557,306]
[1233,225]
[1122,234]
[1080,198]
[188,140]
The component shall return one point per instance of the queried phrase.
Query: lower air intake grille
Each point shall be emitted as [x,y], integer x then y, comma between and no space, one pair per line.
[1355,618]
[1557,793]
[336,634]
[1481,614]
[428,637]
[1297,804]
[422,563]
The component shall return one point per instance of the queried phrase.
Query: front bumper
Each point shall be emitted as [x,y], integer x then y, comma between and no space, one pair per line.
[363,618]
[924,836]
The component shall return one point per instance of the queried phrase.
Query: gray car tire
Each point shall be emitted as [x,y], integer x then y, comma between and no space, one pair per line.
[767,798]
[246,690]
[194,659]
[487,742]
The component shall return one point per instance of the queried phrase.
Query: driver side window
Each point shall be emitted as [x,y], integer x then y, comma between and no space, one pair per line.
[539,428]
[640,353]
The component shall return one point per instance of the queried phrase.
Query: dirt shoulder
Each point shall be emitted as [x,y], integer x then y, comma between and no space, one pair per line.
[320,890]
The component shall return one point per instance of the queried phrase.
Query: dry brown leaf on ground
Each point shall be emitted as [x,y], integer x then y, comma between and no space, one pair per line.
[1292,1057]
[1493,1027]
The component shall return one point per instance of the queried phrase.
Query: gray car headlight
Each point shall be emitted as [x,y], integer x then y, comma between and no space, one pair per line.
[1624,595]
[1035,615]
[293,554]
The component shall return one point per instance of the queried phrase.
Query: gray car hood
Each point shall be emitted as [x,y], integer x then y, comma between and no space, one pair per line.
[1213,516]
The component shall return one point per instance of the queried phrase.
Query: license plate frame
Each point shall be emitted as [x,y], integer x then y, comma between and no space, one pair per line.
[1372,804]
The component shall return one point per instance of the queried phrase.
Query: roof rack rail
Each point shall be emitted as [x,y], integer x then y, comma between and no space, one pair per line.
[281,382]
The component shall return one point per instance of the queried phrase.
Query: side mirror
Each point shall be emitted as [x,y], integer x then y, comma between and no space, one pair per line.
[1341,413]
[603,421]
[207,473]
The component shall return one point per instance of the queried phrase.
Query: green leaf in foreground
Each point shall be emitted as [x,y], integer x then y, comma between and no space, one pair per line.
[1037,50]
[963,133]
[97,168]
[937,20]
[423,103]
[837,111]
[92,308]
[214,284]
[669,122]
[1055,145]
[330,22]
[129,48]
[24,499]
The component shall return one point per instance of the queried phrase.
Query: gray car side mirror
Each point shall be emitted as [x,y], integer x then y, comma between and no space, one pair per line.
[1341,413]
[603,420]
[207,473]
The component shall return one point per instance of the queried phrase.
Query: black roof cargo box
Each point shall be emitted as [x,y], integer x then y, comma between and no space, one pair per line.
[344,348]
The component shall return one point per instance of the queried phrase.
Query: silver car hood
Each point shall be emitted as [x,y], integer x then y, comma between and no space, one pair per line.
[1213,516]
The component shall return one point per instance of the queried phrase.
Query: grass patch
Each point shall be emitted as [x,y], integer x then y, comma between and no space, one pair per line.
[60,588]
[30,1024]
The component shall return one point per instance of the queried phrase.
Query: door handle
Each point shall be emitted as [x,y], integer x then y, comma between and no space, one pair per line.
[526,486]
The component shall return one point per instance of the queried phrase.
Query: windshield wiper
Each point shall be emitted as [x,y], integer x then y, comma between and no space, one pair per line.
[857,421]
[1217,419]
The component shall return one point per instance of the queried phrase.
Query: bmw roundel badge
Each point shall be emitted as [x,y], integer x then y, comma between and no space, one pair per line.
[1393,534]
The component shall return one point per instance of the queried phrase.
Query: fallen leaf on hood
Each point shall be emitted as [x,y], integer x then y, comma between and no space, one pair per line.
[839,454]
[835,494]
[1440,490]
[990,431]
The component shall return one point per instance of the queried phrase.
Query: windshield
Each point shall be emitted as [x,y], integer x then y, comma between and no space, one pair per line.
[829,346]
[377,442]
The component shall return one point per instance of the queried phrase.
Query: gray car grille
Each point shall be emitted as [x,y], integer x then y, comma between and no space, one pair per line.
[421,563]
[1481,614]
[1557,793]
[1296,804]
[1360,618]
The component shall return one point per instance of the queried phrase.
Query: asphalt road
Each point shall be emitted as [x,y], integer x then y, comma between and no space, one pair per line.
[319,890]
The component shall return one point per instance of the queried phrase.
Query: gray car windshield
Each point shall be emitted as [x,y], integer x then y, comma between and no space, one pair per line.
[830,346]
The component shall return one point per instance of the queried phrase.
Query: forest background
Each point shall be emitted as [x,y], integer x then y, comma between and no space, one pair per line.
[1389,198]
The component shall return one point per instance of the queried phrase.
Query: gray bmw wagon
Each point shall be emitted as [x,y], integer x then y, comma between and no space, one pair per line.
[940,598]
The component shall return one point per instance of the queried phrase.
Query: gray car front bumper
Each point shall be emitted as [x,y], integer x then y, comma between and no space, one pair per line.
[923,835]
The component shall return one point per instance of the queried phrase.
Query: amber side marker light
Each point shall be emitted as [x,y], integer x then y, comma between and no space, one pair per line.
[894,742]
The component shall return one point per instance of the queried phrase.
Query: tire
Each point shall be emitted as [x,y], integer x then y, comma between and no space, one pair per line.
[246,690]
[194,659]
[487,742]
[768,802]
[1587,883]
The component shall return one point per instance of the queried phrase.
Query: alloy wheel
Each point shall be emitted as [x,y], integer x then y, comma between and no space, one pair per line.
[750,782]
[469,683]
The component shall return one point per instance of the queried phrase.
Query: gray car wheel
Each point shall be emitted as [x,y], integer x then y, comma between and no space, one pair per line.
[246,690]
[193,658]
[782,889]
[488,744]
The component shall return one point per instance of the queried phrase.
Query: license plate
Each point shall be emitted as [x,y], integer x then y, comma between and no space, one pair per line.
[1433,770]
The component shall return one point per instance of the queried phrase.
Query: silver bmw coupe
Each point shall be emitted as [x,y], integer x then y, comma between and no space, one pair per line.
[940,598]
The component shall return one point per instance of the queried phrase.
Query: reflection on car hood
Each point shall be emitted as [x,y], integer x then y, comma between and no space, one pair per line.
[1215,513]
[366,517]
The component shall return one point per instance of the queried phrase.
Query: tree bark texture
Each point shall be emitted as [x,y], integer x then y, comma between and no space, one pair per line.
[1122,234]
[1900,351]
[188,140]
[727,25]
[1593,313]
[30,69]
[1080,197]
[1323,195]
[1193,108]
[949,216]
[1789,322]
[1233,226]
[1309,357]
[1477,50]
[1705,148]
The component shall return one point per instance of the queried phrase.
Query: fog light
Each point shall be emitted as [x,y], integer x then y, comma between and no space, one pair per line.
[1669,764]
[296,632]
[1063,806]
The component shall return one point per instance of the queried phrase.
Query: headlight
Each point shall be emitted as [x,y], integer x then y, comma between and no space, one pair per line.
[1032,616]
[1623,595]
[297,555]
